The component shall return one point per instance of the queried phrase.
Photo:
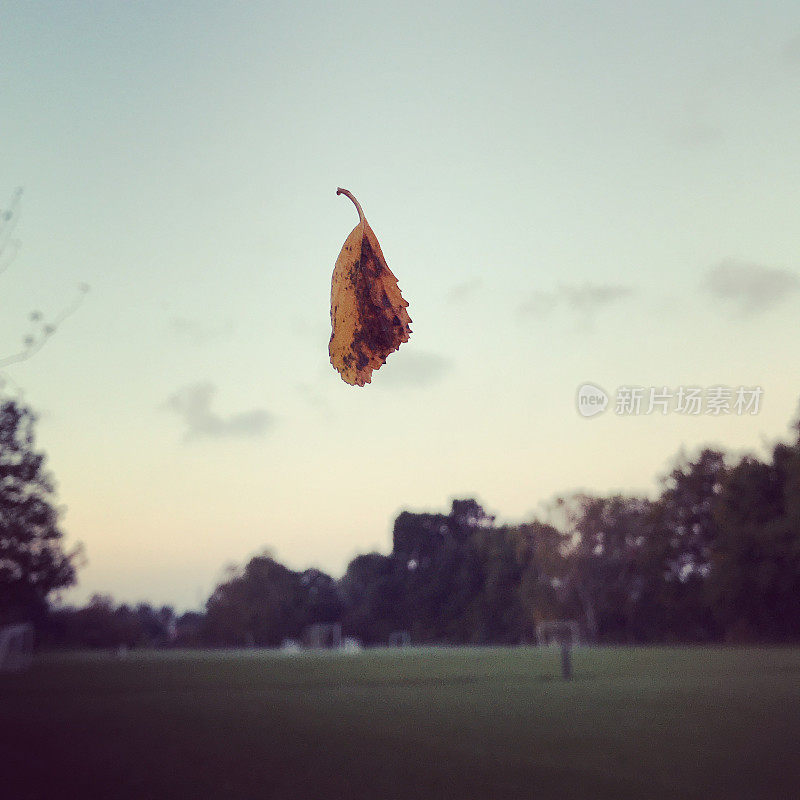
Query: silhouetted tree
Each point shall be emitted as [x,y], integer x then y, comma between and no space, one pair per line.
[755,568]
[98,624]
[266,602]
[544,590]
[373,593]
[674,601]
[441,573]
[497,613]
[33,562]
[609,536]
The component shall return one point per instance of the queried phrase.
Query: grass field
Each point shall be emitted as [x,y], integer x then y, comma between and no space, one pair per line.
[438,723]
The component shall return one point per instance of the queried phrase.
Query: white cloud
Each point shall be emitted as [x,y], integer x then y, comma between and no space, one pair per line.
[193,404]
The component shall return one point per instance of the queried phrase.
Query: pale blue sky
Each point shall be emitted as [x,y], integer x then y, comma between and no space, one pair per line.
[567,192]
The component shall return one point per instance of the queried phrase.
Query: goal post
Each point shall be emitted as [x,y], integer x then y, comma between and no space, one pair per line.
[323,636]
[558,631]
[399,639]
[16,647]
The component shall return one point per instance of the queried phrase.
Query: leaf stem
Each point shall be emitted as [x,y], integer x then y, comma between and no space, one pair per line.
[361,217]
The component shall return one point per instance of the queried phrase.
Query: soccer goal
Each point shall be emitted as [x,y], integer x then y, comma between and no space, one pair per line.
[323,636]
[559,631]
[16,647]
[399,639]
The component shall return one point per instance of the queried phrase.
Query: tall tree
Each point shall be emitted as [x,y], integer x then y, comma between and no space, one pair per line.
[374,597]
[685,512]
[755,575]
[544,590]
[680,548]
[443,571]
[266,602]
[608,535]
[33,562]
[497,613]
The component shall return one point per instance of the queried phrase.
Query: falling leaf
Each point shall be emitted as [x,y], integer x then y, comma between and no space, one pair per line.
[368,313]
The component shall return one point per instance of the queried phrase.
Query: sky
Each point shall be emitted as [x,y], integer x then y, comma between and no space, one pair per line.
[568,192]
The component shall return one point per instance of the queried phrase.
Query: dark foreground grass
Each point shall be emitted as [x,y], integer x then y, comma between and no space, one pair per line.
[461,723]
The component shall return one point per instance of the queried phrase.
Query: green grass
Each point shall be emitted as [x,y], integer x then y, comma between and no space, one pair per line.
[460,723]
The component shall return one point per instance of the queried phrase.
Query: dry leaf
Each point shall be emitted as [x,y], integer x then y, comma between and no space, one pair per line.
[368,313]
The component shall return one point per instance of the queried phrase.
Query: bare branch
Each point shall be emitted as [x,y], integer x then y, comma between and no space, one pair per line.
[42,330]
[33,342]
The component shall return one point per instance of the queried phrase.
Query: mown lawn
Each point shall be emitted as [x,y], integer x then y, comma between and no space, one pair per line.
[419,723]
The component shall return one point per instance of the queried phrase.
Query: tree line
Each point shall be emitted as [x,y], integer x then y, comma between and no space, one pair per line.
[714,557]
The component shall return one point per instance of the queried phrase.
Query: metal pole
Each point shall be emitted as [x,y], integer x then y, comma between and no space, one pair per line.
[566,660]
